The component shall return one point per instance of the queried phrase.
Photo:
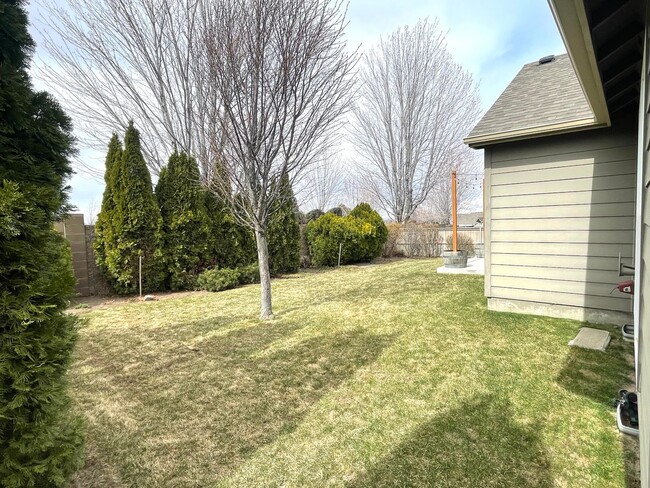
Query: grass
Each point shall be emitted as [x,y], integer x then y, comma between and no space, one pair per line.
[370,376]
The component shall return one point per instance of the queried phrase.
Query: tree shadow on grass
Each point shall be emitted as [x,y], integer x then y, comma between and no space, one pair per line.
[599,376]
[199,413]
[476,444]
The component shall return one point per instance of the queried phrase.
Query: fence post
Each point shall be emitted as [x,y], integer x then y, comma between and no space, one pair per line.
[140,272]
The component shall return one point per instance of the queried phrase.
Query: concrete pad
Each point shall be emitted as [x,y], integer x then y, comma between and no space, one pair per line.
[474,266]
[589,338]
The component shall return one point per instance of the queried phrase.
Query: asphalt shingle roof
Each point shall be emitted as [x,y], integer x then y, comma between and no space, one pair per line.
[540,95]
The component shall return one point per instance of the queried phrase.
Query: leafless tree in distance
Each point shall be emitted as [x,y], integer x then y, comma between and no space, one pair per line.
[117,60]
[468,164]
[92,209]
[415,106]
[323,182]
[283,78]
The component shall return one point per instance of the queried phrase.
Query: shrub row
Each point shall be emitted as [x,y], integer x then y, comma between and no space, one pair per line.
[226,278]
[180,230]
[360,236]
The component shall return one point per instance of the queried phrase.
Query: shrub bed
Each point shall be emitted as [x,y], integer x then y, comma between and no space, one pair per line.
[227,278]
[361,237]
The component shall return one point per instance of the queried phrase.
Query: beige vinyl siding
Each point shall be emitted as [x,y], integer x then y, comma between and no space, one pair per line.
[561,209]
[642,277]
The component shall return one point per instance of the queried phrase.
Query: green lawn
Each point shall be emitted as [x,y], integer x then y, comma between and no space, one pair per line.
[370,376]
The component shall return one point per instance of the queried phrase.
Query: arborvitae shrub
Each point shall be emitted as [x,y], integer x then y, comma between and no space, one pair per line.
[361,237]
[40,438]
[374,236]
[136,223]
[230,244]
[284,233]
[186,248]
[105,235]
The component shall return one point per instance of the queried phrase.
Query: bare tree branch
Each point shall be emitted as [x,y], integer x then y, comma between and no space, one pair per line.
[323,183]
[415,106]
[283,79]
[468,164]
[116,60]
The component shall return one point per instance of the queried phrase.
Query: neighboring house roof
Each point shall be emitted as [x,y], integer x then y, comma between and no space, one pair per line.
[542,99]
[469,218]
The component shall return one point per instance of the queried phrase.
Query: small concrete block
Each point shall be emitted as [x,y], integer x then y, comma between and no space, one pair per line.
[589,338]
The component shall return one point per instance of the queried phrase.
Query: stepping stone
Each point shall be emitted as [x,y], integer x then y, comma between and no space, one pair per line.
[589,338]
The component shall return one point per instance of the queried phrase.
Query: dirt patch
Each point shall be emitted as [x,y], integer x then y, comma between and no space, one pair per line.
[83,304]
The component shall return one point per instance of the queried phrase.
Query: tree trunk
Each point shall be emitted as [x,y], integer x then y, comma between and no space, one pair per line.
[266,312]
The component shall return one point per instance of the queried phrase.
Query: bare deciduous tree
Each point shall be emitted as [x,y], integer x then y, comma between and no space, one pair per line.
[323,182]
[92,209]
[469,167]
[282,75]
[117,60]
[416,105]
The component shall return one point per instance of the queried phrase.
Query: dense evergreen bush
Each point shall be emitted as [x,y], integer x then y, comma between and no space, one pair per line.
[231,244]
[314,214]
[374,237]
[226,278]
[40,439]
[284,233]
[336,211]
[219,279]
[361,235]
[186,249]
[105,233]
[249,274]
[136,223]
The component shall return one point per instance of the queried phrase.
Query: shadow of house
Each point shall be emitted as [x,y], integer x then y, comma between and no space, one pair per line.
[567,161]
[598,376]
[478,443]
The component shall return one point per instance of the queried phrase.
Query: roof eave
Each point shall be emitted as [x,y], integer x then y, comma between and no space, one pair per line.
[480,141]
[571,19]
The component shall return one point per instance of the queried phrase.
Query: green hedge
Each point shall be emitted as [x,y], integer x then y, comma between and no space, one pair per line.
[227,278]
[361,234]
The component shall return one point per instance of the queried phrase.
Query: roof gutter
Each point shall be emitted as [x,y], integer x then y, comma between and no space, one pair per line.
[571,19]
[480,141]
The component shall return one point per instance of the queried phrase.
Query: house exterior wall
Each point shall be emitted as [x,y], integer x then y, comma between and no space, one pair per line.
[559,210]
[642,277]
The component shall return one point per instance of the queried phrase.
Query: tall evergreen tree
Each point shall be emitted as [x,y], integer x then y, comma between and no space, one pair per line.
[136,223]
[186,250]
[39,437]
[231,245]
[105,236]
[284,232]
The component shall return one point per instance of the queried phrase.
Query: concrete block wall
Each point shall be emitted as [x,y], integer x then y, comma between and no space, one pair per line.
[81,236]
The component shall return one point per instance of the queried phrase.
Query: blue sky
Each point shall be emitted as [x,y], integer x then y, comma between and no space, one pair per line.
[492,39]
